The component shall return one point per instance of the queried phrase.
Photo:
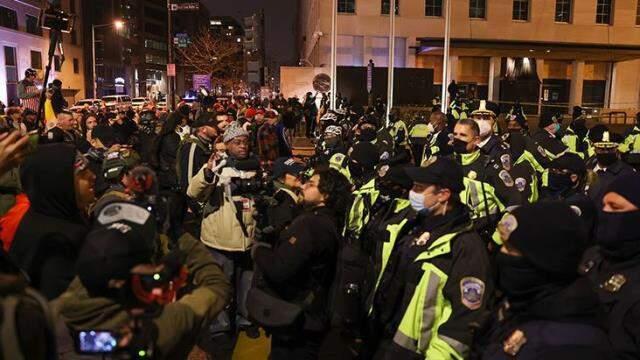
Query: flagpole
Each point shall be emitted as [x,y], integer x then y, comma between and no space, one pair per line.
[445,61]
[392,56]
[334,44]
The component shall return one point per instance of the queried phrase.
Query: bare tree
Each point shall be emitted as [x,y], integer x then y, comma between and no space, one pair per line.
[218,56]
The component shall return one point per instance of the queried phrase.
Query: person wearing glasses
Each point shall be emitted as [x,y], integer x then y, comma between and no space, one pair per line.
[226,188]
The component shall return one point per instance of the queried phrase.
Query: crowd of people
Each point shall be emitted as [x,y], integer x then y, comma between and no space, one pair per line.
[457,235]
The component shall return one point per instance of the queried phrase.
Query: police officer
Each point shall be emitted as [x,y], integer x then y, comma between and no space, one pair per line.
[548,135]
[547,306]
[608,166]
[575,133]
[565,182]
[439,137]
[613,264]
[418,138]
[442,283]
[490,144]
[489,187]
[331,143]
[362,162]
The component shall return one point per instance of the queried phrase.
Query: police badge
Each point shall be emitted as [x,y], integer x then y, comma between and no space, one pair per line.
[506,161]
[506,178]
[471,292]
[521,184]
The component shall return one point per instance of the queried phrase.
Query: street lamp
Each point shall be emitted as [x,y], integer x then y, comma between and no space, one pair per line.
[118,24]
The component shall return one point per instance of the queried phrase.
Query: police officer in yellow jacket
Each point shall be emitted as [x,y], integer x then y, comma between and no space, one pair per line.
[442,284]
[489,185]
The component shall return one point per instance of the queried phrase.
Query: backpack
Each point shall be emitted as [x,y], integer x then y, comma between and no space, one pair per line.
[25,321]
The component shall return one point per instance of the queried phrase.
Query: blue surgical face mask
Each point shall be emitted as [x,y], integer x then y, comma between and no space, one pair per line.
[557,129]
[417,200]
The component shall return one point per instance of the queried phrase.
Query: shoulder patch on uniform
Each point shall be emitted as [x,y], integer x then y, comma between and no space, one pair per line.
[471,292]
[506,178]
[293,240]
[521,184]
[382,171]
[505,159]
[472,175]
[541,151]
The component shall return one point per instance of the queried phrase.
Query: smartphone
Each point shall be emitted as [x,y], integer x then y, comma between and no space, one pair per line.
[96,342]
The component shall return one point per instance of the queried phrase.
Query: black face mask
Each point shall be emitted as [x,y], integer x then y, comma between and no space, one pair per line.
[607,159]
[355,170]
[367,134]
[518,278]
[618,234]
[392,191]
[332,141]
[560,182]
[460,146]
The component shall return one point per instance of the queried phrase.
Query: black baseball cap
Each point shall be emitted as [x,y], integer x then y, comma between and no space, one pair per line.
[285,165]
[122,237]
[440,171]
[205,119]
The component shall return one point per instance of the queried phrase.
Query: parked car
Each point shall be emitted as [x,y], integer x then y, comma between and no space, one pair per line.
[116,102]
[139,103]
[80,105]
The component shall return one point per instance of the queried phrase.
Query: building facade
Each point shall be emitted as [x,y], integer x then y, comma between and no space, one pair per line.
[582,52]
[25,45]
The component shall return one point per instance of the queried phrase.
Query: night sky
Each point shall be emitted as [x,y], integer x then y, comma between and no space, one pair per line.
[280,24]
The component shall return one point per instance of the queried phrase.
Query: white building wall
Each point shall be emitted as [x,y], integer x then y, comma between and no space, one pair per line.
[24,43]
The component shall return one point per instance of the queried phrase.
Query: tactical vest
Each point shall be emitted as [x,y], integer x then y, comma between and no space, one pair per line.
[428,309]
[478,195]
[364,198]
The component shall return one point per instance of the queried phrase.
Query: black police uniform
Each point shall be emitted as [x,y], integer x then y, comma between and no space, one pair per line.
[618,287]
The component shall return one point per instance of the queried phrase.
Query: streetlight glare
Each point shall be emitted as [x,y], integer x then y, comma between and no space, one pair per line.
[119,24]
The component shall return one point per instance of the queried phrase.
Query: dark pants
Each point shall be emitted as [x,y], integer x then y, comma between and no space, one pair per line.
[303,347]
[237,266]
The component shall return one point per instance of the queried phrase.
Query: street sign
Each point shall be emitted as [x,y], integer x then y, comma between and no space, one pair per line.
[185,7]
[182,40]
[171,69]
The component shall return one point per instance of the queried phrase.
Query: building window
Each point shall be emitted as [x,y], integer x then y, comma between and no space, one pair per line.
[604,9]
[36,60]
[57,64]
[11,69]
[521,10]
[76,66]
[8,18]
[386,4]
[32,26]
[155,59]
[433,8]
[156,45]
[563,11]
[477,9]
[347,6]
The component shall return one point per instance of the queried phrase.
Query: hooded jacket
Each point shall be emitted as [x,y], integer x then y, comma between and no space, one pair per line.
[178,325]
[50,234]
